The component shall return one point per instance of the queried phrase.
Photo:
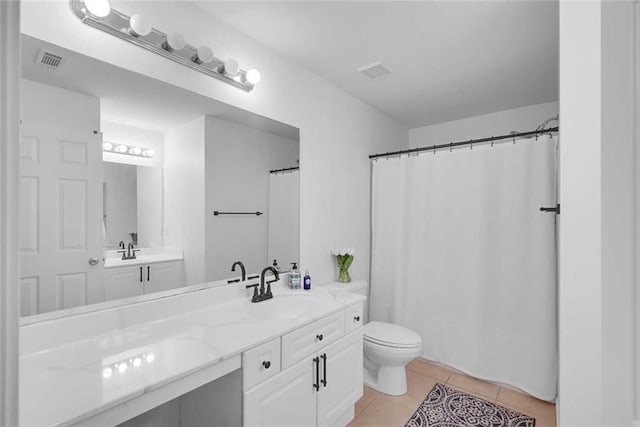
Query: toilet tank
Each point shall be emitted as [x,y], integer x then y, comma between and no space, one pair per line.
[360,287]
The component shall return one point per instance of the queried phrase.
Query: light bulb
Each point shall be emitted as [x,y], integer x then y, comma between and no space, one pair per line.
[106,372]
[149,153]
[139,26]
[137,362]
[107,146]
[122,148]
[253,76]
[204,55]
[150,358]
[135,150]
[122,367]
[98,8]
[230,67]
[174,41]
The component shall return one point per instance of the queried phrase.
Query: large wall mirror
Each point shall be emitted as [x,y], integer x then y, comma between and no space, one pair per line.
[130,186]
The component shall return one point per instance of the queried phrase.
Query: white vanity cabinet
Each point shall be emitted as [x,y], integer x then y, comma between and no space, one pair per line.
[122,282]
[320,380]
[162,276]
[129,281]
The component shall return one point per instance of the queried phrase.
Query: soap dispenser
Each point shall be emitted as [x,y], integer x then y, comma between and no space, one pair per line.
[294,276]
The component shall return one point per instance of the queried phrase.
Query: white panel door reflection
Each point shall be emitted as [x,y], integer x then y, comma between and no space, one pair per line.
[60,218]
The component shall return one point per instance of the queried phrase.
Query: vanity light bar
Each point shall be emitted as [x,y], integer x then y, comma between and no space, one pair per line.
[130,150]
[135,29]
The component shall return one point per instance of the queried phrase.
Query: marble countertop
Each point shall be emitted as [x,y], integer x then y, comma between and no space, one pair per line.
[69,367]
[113,259]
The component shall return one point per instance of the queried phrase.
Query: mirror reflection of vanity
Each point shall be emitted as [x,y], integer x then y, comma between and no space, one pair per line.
[111,156]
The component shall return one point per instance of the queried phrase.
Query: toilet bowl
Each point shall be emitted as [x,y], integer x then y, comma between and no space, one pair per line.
[387,350]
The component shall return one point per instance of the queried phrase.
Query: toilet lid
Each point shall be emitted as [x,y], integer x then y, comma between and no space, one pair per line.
[391,335]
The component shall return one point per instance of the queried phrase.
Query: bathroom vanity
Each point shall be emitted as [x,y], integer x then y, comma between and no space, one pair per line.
[153,270]
[299,356]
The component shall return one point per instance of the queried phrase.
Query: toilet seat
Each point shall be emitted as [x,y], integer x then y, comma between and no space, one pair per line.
[389,335]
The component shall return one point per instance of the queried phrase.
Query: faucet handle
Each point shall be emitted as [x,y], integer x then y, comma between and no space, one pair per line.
[255,291]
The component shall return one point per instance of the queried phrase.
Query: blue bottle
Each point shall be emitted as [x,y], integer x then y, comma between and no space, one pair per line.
[307,281]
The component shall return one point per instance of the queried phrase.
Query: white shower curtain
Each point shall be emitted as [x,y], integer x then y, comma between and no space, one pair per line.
[462,255]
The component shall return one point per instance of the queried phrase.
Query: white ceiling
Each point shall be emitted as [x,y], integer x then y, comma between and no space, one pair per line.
[451,59]
[133,99]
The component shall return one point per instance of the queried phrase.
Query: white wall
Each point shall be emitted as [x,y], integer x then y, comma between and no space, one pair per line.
[238,160]
[121,202]
[49,105]
[499,123]
[9,182]
[184,196]
[337,131]
[596,250]
[150,215]
[123,134]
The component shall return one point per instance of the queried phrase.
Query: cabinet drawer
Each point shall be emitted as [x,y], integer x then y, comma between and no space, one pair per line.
[311,338]
[353,317]
[260,363]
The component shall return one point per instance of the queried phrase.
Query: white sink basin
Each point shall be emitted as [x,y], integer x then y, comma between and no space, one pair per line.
[282,307]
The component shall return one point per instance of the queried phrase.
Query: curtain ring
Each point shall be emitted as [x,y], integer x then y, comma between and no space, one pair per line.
[492,142]
[451,147]
[434,149]
[514,139]
[536,134]
[471,143]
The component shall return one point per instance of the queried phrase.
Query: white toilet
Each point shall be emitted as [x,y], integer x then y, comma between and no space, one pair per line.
[388,349]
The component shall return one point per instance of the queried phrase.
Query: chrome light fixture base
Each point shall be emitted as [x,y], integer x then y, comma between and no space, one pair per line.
[116,23]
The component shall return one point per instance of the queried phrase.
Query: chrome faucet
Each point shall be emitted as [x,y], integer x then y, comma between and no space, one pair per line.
[242,269]
[129,253]
[263,294]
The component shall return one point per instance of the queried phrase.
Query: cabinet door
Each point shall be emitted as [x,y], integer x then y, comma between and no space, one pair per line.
[341,366]
[162,276]
[288,399]
[123,282]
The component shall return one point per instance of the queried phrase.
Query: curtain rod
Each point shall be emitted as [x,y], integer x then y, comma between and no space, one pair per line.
[468,142]
[295,168]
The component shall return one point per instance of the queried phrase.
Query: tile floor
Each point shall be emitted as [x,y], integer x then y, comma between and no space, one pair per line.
[376,409]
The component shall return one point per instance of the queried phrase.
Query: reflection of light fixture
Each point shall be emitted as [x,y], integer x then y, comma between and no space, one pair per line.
[173,42]
[131,150]
[122,366]
[139,26]
[98,8]
[137,29]
[253,76]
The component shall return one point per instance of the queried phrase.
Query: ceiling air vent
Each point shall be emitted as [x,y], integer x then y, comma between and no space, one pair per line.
[49,60]
[375,71]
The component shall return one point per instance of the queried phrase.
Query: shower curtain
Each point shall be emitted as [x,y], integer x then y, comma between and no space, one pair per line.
[462,255]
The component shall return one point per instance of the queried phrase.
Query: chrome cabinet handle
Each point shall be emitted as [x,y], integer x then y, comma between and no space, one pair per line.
[319,337]
[266,364]
[93,261]
[356,318]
